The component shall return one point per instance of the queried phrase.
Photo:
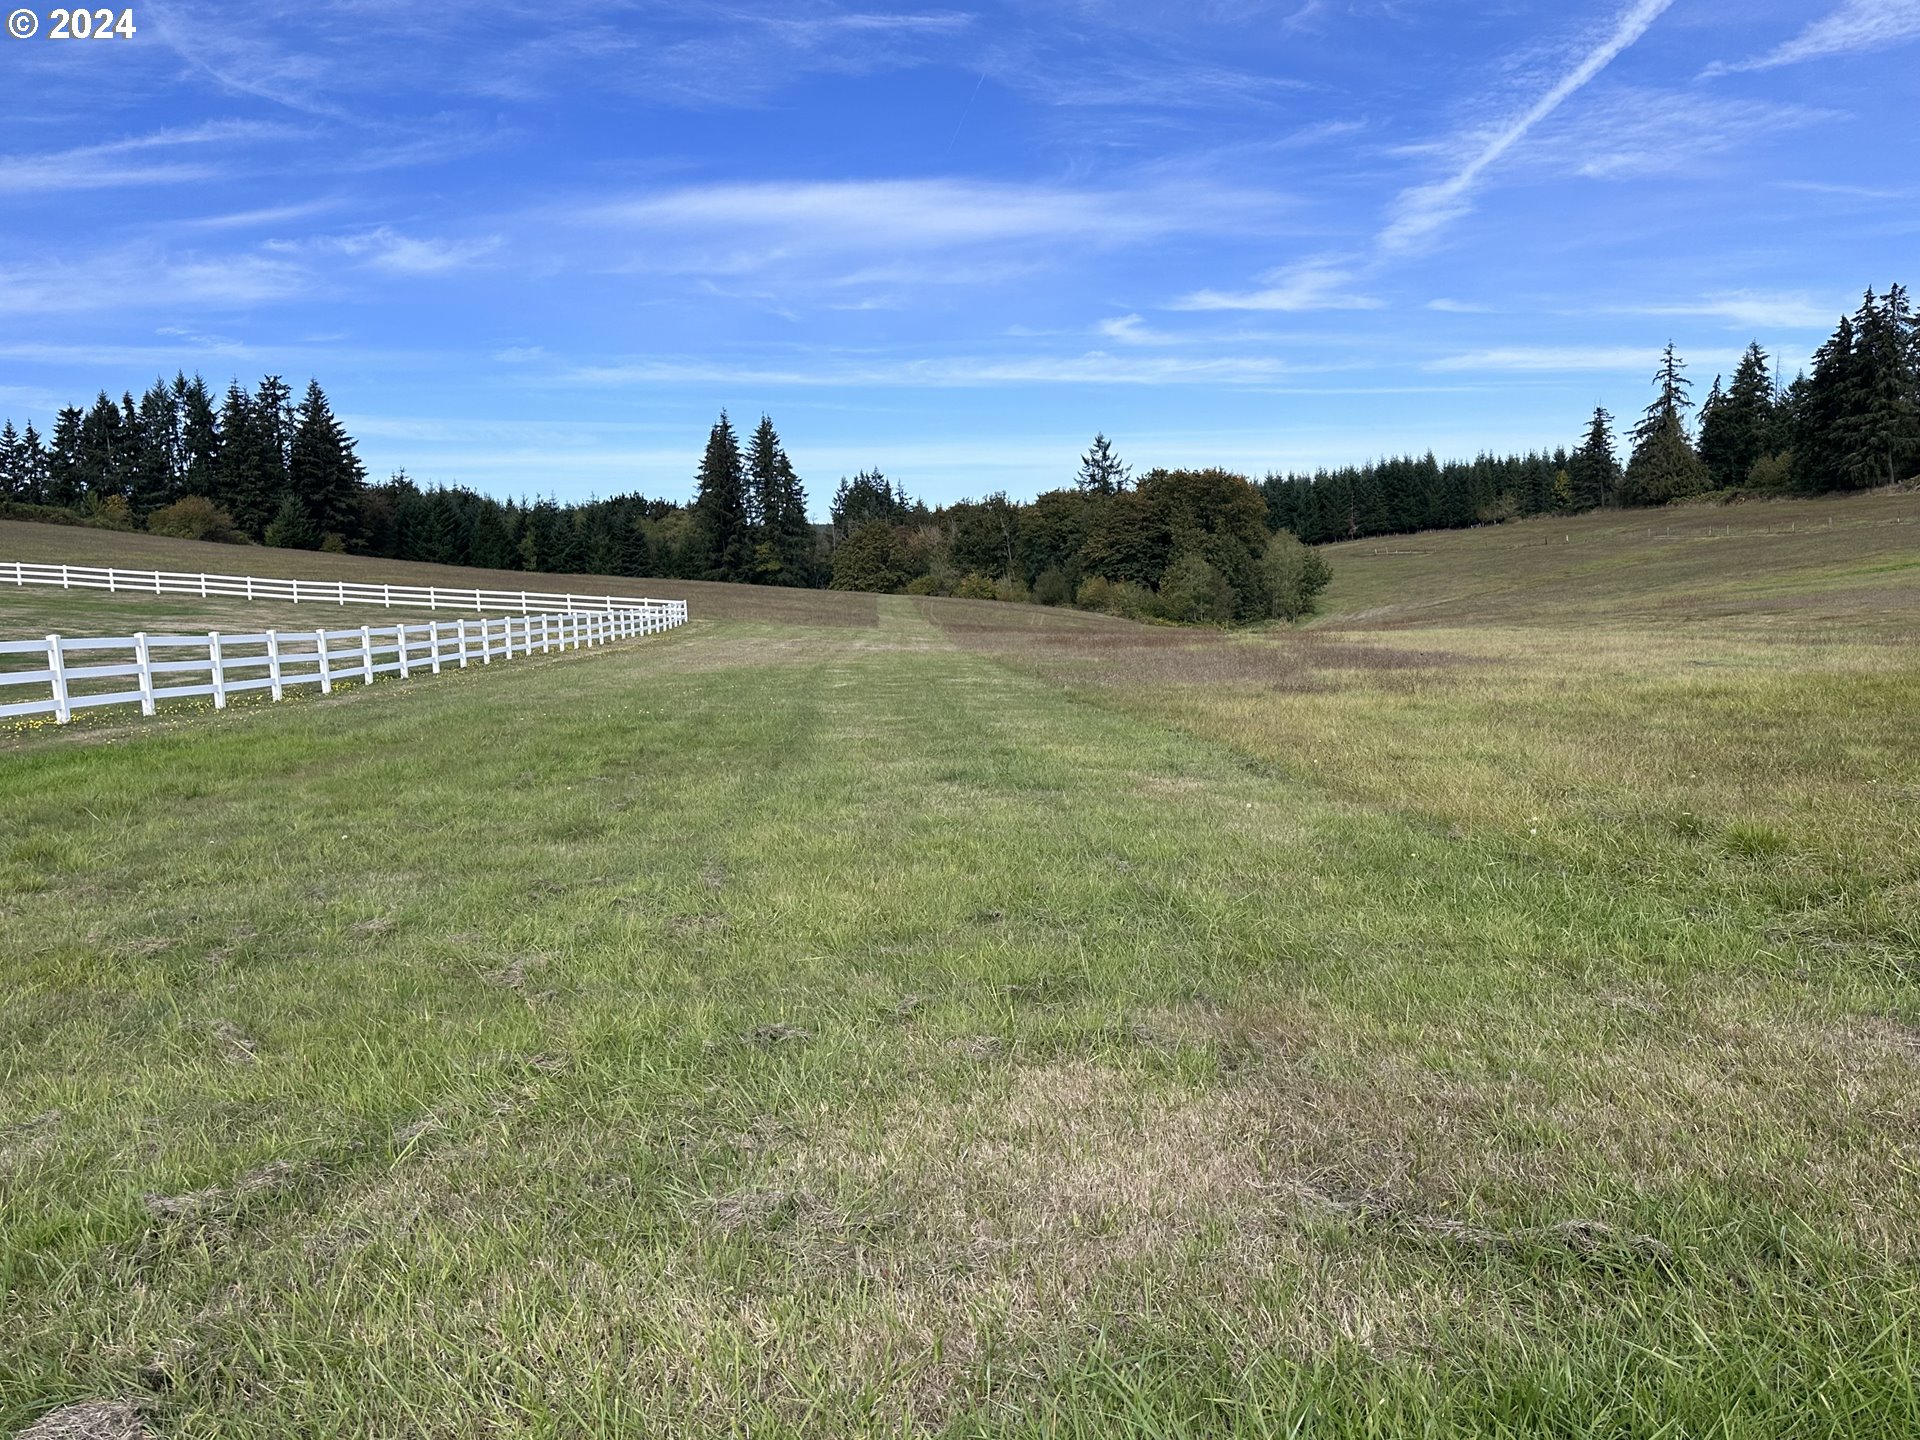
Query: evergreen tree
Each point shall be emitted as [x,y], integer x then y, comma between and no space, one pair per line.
[155,467]
[1101,472]
[1880,431]
[199,455]
[290,528]
[12,464]
[66,471]
[1593,471]
[1665,465]
[1822,403]
[33,467]
[323,473]
[104,450]
[720,507]
[250,481]
[783,536]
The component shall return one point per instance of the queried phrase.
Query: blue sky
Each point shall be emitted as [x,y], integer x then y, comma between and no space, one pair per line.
[535,247]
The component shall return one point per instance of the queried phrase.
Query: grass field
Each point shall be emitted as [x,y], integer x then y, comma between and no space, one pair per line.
[1491,1010]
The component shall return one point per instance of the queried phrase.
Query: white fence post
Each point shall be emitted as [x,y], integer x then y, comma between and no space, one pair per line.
[433,644]
[217,670]
[143,658]
[65,582]
[203,584]
[57,666]
[386,595]
[341,587]
[273,664]
[463,644]
[486,642]
[366,653]
[326,670]
[400,635]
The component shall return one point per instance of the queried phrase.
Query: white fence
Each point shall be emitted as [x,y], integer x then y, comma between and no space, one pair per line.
[84,674]
[325,592]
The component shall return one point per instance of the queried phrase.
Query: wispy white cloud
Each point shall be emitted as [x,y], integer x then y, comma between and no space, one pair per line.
[1754,310]
[138,279]
[892,215]
[1458,307]
[1422,211]
[1857,25]
[1549,359]
[140,160]
[1094,367]
[390,252]
[1310,285]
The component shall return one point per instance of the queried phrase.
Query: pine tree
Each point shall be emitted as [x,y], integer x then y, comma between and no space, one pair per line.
[250,483]
[12,464]
[1101,472]
[1664,465]
[66,472]
[720,507]
[1880,430]
[783,538]
[199,456]
[323,473]
[1593,471]
[290,529]
[33,463]
[1743,425]
[1821,406]
[155,464]
[103,451]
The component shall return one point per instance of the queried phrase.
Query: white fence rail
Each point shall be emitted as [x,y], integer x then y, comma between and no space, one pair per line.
[324,592]
[83,674]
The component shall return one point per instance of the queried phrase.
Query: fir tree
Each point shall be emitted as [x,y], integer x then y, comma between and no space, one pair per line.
[1665,465]
[1880,430]
[33,467]
[290,528]
[66,480]
[12,464]
[323,473]
[1743,425]
[783,539]
[1822,403]
[720,507]
[103,450]
[1101,472]
[1593,471]
[154,469]
[199,456]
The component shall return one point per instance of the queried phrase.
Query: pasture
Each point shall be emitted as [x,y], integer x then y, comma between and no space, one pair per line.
[1489,1010]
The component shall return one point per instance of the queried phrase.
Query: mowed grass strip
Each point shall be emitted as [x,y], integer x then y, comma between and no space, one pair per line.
[781,1029]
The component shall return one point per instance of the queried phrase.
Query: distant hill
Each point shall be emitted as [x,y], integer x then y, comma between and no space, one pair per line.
[1772,566]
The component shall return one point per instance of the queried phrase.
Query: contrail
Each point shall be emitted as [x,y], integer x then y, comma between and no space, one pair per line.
[1425,208]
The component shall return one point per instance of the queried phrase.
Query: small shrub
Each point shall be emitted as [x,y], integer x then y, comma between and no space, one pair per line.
[112,513]
[1095,593]
[974,586]
[1194,593]
[1772,472]
[923,585]
[335,543]
[1296,574]
[1050,587]
[290,528]
[1012,589]
[194,517]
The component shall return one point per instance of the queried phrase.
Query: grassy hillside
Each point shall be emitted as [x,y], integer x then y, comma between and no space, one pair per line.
[1490,1011]
[1761,567]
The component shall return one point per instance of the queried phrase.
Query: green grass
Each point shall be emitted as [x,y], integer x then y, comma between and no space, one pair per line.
[919,1017]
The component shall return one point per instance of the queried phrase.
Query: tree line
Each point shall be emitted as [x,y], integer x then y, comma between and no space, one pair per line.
[1183,544]
[1851,422]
